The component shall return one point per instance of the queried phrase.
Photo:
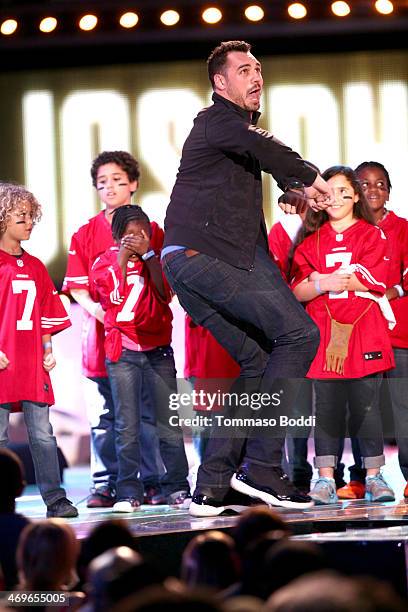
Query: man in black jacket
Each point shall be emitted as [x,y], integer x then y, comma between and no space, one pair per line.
[216,259]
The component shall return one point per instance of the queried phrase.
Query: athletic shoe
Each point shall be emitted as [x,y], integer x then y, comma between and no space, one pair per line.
[154,497]
[353,490]
[377,490]
[206,506]
[280,491]
[406,491]
[101,497]
[324,491]
[62,508]
[179,499]
[126,504]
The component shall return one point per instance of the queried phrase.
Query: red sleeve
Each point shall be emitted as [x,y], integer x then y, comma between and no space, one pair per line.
[156,241]
[372,264]
[76,276]
[279,246]
[54,317]
[303,264]
[405,261]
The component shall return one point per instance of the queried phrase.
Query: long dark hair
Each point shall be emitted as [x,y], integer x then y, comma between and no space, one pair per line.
[314,220]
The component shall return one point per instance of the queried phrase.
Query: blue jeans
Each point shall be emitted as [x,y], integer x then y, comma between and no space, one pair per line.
[43,447]
[398,387]
[155,371]
[103,441]
[256,318]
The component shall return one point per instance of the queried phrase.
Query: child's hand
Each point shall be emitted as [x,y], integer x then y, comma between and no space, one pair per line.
[49,362]
[337,282]
[136,243]
[4,362]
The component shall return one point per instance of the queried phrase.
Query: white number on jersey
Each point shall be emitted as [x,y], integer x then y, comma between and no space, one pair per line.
[18,286]
[126,313]
[331,260]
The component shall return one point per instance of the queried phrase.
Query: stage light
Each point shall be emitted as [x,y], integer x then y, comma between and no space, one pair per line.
[170,18]
[128,20]
[385,7]
[48,24]
[340,8]
[212,15]
[88,22]
[297,10]
[9,26]
[254,12]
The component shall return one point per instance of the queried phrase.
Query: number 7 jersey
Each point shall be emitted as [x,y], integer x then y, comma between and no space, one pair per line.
[30,307]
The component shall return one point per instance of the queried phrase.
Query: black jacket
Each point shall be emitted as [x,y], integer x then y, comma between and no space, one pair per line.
[216,202]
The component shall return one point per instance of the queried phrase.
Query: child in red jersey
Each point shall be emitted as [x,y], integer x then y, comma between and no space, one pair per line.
[129,280]
[115,175]
[340,269]
[30,313]
[376,184]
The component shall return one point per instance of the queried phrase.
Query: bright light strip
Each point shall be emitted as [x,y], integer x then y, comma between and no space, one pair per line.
[212,15]
[254,13]
[297,10]
[170,18]
[385,7]
[9,26]
[129,20]
[48,24]
[340,8]
[88,22]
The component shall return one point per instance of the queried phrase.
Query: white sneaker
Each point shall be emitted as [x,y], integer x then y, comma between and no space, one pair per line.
[126,504]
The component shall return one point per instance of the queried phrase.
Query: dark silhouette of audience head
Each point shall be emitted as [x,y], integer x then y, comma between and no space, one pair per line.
[210,560]
[46,556]
[331,592]
[160,599]
[254,523]
[11,479]
[116,574]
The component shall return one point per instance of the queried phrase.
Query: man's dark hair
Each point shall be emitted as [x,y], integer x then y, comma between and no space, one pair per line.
[218,58]
[375,164]
[123,215]
[123,159]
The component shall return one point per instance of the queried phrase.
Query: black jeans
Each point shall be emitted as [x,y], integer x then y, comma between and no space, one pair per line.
[398,386]
[361,395]
[256,318]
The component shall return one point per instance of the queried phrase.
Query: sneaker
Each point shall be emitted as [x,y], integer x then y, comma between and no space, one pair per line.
[154,497]
[179,499]
[101,497]
[62,508]
[206,506]
[377,490]
[324,491]
[279,492]
[353,490]
[126,504]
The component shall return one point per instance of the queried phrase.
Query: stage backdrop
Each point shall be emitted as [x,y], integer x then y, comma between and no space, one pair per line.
[340,108]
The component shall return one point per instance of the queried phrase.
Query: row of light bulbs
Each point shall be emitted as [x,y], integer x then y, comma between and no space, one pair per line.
[210,15]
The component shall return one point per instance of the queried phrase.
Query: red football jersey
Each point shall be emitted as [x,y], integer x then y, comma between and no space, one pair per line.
[365,246]
[396,230]
[30,307]
[280,240]
[133,306]
[91,240]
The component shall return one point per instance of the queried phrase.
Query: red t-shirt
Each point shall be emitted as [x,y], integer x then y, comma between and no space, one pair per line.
[280,240]
[396,230]
[133,305]
[91,240]
[30,307]
[365,246]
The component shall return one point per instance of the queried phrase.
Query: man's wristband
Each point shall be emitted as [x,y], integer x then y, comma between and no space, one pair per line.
[148,255]
[400,290]
[317,286]
[47,345]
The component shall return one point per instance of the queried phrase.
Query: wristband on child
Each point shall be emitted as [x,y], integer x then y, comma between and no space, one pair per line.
[148,255]
[47,345]
[317,286]
[400,290]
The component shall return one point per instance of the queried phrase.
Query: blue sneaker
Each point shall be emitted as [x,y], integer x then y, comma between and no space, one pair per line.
[324,491]
[377,490]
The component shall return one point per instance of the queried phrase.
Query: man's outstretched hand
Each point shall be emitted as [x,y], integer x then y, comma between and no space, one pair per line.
[317,197]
